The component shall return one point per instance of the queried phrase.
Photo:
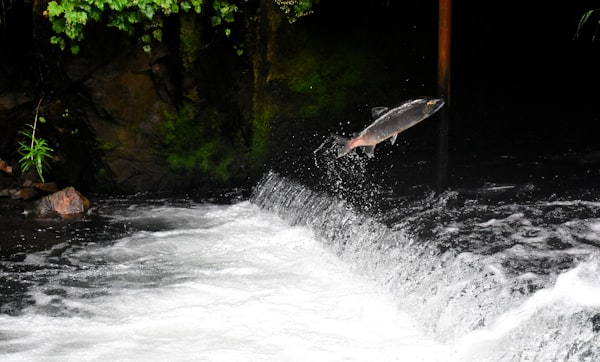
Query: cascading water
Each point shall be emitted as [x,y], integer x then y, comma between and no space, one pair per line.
[178,280]
[494,280]
[331,260]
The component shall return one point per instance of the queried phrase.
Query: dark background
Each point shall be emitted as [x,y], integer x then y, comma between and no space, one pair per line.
[523,101]
[520,80]
[519,76]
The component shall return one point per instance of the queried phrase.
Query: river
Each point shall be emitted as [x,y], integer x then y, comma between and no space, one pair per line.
[295,272]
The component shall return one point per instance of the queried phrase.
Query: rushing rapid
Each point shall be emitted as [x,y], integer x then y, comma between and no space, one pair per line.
[347,267]
[494,281]
[200,282]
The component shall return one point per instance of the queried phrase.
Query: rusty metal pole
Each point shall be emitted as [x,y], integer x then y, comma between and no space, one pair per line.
[444,32]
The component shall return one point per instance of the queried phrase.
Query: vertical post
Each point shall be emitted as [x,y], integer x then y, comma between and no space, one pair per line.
[444,32]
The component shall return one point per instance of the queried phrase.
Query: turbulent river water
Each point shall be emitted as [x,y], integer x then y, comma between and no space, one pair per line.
[353,271]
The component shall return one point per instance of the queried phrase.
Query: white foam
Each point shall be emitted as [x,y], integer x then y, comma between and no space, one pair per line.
[573,291]
[233,283]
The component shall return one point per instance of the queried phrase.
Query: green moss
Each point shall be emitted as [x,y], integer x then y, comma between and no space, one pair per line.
[190,40]
[326,79]
[304,76]
[196,143]
[223,168]
[265,109]
[210,159]
[104,146]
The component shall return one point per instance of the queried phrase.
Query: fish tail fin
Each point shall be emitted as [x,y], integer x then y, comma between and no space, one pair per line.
[343,145]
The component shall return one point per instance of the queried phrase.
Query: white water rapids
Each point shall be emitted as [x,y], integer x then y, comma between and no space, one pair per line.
[225,283]
[297,275]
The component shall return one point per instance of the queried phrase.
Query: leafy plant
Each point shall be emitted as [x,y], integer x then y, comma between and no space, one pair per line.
[69,18]
[295,9]
[591,16]
[36,152]
[144,18]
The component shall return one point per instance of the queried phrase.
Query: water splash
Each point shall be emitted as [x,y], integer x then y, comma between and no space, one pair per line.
[349,177]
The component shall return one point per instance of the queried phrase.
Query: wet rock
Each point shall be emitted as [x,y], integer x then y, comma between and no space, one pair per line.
[24,193]
[49,187]
[29,190]
[125,117]
[67,201]
[6,168]
[11,100]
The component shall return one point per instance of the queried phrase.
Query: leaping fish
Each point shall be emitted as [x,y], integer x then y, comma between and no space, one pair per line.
[389,123]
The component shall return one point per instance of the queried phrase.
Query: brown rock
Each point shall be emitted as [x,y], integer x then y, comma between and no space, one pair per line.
[67,201]
[48,187]
[24,193]
[9,101]
[4,167]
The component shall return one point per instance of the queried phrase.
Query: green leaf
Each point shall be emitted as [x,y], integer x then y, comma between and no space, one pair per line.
[197,5]
[54,9]
[70,18]
[59,25]
[58,41]
[34,153]
[117,4]
[148,11]
[132,18]
[584,19]
[157,33]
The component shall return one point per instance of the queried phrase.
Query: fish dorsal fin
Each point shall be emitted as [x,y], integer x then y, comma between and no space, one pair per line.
[376,112]
[393,138]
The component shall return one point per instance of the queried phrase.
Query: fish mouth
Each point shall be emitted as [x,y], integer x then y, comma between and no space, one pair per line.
[433,105]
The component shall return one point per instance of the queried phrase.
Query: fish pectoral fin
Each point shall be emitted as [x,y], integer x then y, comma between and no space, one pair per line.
[378,111]
[369,150]
[393,138]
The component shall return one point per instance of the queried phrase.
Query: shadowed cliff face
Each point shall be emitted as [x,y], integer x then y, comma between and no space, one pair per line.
[109,102]
[101,107]
[117,117]
[124,109]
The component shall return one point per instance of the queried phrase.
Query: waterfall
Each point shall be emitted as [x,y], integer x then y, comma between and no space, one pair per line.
[503,281]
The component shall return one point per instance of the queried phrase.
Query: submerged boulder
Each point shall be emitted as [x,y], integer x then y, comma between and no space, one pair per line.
[67,201]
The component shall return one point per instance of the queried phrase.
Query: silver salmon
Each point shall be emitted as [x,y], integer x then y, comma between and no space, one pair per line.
[389,123]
